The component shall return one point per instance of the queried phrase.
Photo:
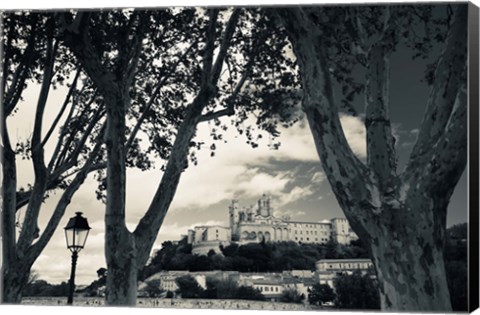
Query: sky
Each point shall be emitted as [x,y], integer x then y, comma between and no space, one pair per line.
[291,175]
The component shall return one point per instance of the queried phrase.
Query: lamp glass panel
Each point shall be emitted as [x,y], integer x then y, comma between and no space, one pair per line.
[69,237]
[80,237]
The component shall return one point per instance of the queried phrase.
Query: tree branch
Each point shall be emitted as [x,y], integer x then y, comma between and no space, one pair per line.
[62,109]
[72,133]
[450,75]
[209,48]
[147,229]
[229,110]
[14,92]
[354,27]
[350,180]
[381,155]
[65,200]
[76,36]
[225,44]
[40,170]
[154,94]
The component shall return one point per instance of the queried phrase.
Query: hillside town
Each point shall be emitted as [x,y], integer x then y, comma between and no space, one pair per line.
[271,285]
[256,225]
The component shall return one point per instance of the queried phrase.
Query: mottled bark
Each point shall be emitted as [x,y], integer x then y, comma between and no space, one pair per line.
[381,156]
[408,257]
[126,252]
[120,250]
[401,217]
[9,184]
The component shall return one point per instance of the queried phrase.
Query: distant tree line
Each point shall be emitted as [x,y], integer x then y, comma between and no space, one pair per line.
[254,257]
[189,288]
[43,288]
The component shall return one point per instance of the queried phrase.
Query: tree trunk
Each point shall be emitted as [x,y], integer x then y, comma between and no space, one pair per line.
[416,278]
[122,268]
[401,218]
[120,251]
[9,186]
[14,281]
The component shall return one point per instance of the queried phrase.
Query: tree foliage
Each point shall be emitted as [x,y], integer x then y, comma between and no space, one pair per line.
[209,84]
[292,296]
[356,291]
[153,288]
[320,294]
[188,287]
[43,288]
[266,257]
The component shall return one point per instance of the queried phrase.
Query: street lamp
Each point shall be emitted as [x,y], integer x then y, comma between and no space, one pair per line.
[76,233]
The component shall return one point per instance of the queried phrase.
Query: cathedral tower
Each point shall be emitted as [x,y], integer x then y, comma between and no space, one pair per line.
[264,206]
[234,219]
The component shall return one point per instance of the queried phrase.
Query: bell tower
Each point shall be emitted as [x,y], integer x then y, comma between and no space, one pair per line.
[234,219]
[264,206]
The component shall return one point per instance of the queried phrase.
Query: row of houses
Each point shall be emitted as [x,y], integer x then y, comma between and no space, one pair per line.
[271,285]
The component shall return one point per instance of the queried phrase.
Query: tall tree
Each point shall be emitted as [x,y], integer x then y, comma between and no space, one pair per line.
[33,56]
[113,64]
[401,215]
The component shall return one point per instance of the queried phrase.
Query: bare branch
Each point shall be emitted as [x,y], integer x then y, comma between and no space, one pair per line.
[63,154]
[65,200]
[63,134]
[62,109]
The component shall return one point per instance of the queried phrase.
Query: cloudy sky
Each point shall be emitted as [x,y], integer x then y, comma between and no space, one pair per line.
[292,175]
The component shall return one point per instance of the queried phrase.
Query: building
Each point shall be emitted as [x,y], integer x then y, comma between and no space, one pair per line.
[206,238]
[271,285]
[167,279]
[249,224]
[328,269]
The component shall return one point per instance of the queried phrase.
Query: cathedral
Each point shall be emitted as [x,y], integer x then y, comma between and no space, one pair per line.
[247,225]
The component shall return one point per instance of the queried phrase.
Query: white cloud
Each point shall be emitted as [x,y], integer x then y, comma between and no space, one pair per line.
[295,194]
[318,177]
[355,133]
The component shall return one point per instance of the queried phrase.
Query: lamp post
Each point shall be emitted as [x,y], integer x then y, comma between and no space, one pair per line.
[76,233]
